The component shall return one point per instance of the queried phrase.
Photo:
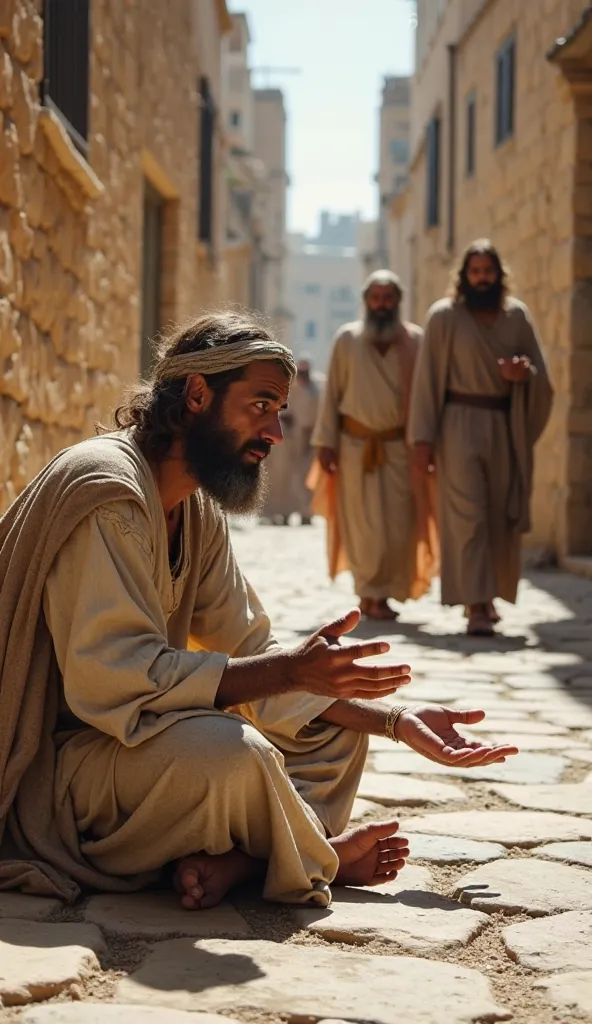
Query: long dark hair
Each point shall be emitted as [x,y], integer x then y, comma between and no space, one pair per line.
[458,279]
[157,408]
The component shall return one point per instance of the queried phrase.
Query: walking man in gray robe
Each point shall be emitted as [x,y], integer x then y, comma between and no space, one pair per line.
[480,401]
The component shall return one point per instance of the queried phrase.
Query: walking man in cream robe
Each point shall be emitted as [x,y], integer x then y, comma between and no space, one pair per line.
[378,524]
[289,463]
[481,399]
[150,723]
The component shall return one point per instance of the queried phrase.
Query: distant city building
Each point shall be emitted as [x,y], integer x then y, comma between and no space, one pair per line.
[393,168]
[323,285]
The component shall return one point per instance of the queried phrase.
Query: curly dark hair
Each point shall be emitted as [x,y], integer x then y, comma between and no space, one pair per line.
[458,278]
[157,408]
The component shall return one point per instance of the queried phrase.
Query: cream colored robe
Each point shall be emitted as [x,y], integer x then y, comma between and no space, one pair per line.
[289,463]
[376,510]
[128,763]
[483,457]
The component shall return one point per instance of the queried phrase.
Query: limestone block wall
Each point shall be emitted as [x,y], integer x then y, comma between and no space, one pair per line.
[71,230]
[521,196]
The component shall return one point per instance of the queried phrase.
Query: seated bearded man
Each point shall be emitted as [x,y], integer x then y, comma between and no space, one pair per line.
[150,722]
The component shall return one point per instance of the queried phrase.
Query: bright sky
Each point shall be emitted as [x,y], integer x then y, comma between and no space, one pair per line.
[343,49]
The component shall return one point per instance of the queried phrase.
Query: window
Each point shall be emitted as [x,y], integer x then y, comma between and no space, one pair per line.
[433,172]
[470,138]
[312,289]
[344,294]
[206,161]
[400,183]
[400,151]
[505,63]
[235,119]
[65,65]
[151,273]
[310,330]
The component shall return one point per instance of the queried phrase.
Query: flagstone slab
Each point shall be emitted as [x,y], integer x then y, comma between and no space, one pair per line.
[30,908]
[363,807]
[532,768]
[109,1013]
[418,922]
[529,742]
[40,960]
[526,885]
[402,791]
[579,718]
[160,913]
[559,943]
[510,828]
[450,850]
[532,681]
[412,877]
[527,726]
[311,982]
[571,797]
[570,853]
[582,754]
[571,991]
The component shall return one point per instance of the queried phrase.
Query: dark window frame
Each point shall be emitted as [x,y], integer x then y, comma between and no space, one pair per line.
[471,135]
[207,132]
[433,168]
[65,87]
[505,90]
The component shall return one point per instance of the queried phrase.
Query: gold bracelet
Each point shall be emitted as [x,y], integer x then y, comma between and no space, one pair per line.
[391,721]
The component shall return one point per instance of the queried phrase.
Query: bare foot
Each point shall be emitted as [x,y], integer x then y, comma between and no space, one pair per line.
[377,608]
[370,854]
[203,879]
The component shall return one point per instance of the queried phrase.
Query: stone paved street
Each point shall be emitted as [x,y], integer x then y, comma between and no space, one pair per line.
[490,921]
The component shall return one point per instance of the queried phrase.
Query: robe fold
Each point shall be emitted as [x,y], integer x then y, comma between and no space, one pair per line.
[113,757]
[380,524]
[484,457]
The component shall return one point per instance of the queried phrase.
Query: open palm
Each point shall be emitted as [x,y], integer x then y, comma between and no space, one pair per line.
[430,730]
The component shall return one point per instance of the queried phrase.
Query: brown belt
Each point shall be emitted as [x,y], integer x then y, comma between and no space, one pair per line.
[498,402]
[374,453]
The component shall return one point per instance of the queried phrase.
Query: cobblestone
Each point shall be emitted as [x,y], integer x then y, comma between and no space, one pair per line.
[453,962]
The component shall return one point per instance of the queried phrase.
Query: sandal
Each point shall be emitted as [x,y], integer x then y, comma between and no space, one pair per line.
[480,625]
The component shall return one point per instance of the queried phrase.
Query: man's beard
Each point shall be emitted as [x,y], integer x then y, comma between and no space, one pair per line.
[381,324]
[216,461]
[483,299]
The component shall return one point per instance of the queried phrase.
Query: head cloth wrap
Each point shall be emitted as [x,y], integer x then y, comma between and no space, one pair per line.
[224,357]
[383,277]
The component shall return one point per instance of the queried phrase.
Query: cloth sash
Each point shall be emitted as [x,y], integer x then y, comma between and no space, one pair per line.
[374,453]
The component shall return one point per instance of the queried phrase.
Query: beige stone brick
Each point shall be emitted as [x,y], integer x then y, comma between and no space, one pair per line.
[10,339]
[25,110]
[33,181]
[27,29]
[6,79]
[21,235]
[6,14]
[11,189]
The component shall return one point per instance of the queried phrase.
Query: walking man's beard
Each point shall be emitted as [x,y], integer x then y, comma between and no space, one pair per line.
[486,298]
[381,324]
[217,463]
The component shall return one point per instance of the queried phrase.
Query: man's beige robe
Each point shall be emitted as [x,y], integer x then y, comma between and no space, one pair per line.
[114,759]
[484,458]
[377,533]
[289,463]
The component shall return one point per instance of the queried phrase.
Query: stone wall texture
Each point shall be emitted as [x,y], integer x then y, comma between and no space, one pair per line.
[522,196]
[70,266]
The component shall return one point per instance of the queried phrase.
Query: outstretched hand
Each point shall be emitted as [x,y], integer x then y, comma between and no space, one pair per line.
[430,730]
[324,666]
